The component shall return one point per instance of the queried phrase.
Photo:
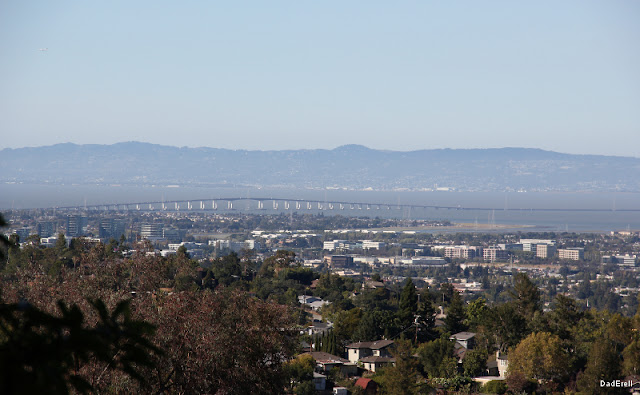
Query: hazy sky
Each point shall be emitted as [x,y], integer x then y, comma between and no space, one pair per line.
[558,75]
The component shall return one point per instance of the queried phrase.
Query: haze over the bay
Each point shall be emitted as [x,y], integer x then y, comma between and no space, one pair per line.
[560,76]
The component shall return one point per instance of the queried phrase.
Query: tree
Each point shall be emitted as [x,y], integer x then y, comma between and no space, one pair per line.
[454,322]
[475,362]
[219,342]
[446,292]
[475,312]
[401,378]
[631,356]
[565,315]
[5,243]
[506,326]
[526,296]
[345,323]
[425,321]
[540,356]
[436,358]
[300,372]
[274,264]
[408,304]
[603,364]
[45,353]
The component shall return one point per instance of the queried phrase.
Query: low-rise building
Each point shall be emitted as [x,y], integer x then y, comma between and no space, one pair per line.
[421,261]
[373,245]
[530,244]
[493,254]
[545,250]
[621,260]
[574,254]
[462,252]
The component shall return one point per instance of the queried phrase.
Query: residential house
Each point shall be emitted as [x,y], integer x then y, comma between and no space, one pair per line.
[372,355]
[325,362]
[466,339]
[373,363]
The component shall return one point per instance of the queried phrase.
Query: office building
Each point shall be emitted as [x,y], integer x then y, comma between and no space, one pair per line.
[76,225]
[151,231]
[46,229]
[545,250]
[110,228]
[493,254]
[573,254]
[462,252]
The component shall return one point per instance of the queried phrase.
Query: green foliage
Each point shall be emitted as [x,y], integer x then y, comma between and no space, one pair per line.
[43,353]
[631,355]
[526,296]
[505,326]
[300,373]
[495,387]
[436,358]
[603,364]
[402,378]
[540,356]
[475,313]
[454,322]
[475,362]
[426,320]
[565,316]
[408,304]
[374,325]
[327,342]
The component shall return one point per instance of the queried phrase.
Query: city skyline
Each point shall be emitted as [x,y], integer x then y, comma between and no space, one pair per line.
[413,76]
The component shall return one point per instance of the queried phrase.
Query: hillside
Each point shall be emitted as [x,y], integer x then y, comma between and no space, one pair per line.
[350,166]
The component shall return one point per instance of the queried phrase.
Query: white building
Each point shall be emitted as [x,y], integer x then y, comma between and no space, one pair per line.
[421,261]
[545,250]
[373,245]
[462,252]
[530,244]
[493,254]
[574,254]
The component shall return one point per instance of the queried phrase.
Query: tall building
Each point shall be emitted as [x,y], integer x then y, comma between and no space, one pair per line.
[151,231]
[46,229]
[76,225]
[23,234]
[111,228]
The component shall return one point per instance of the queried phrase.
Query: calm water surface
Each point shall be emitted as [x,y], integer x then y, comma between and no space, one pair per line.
[21,196]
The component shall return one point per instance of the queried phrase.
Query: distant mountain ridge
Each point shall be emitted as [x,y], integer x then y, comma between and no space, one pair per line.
[348,166]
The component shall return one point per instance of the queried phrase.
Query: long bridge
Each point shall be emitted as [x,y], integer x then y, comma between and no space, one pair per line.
[283,204]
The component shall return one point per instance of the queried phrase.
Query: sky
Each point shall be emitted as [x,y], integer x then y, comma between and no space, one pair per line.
[409,75]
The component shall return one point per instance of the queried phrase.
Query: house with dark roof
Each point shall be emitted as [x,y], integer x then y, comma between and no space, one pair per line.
[373,363]
[325,362]
[465,339]
[357,352]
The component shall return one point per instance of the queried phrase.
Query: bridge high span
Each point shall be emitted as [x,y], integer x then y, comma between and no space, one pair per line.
[275,204]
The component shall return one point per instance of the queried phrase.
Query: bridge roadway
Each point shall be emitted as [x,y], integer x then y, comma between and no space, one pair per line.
[283,204]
